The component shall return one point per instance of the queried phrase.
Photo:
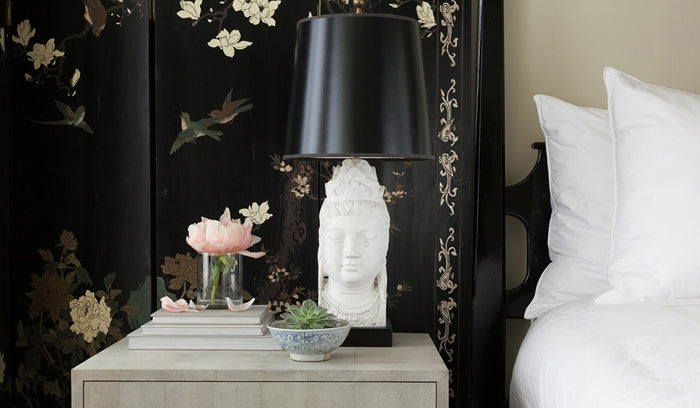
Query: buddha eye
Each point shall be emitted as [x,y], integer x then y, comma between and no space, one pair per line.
[368,236]
[335,235]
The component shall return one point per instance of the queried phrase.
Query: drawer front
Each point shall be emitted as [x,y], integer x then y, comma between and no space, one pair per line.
[131,394]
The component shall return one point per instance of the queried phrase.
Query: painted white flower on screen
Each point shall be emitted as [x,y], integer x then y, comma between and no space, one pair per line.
[302,186]
[2,39]
[90,317]
[229,42]
[75,78]
[24,33]
[425,15]
[256,214]
[258,10]
[44,54]
[190,9]
[282,167]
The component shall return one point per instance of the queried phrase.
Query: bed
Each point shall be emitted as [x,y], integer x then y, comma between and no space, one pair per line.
[631,355]
[613,282]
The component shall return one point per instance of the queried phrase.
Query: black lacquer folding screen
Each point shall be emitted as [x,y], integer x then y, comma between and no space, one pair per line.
[76,191]
[120,130]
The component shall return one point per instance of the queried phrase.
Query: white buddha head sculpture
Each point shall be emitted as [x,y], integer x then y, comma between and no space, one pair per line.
[353,242]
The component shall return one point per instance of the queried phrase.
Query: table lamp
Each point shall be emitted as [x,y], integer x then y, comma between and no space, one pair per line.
[358,92]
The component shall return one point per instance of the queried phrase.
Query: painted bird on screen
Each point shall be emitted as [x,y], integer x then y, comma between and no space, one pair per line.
[191,130]
[70,117]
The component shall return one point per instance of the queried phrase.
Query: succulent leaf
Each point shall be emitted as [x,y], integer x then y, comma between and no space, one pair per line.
[308,316]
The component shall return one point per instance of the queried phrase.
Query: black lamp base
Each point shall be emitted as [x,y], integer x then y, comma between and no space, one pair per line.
[369,336]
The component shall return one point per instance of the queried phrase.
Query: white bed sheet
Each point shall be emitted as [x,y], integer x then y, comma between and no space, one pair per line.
[632,355]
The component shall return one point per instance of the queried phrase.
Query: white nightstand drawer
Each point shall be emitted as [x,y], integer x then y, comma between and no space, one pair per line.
[156,394]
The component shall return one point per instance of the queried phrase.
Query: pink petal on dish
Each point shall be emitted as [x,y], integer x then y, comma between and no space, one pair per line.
[173,307]
[195,308]
[239,308]
[252,254]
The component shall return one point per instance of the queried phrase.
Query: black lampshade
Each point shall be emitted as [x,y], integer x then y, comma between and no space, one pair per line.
[358,89]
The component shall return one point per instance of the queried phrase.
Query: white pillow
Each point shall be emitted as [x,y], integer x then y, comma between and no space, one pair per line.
[656,232]
[579,158]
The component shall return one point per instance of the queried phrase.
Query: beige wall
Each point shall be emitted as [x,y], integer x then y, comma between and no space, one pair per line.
[559,48]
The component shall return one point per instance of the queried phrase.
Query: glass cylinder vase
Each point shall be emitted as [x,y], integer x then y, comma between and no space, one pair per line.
[219,276]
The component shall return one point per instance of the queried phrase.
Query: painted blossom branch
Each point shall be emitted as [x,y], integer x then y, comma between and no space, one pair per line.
[44,350]
[40,329]
[425,13]
[54,70]
[301,178]
[50,336]
[219,15]
[401,289]
[328,170]
[396,192]
[121,10]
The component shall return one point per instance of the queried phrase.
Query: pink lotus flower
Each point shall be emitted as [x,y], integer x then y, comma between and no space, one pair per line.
[225,236]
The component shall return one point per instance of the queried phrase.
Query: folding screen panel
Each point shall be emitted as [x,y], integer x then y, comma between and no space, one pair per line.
[238,56]
[76,218]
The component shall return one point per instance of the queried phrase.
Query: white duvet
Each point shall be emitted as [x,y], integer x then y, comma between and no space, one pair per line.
[633,355]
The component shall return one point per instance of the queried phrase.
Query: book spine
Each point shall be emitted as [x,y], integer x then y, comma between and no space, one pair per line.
[203,320]
[194,331]
[150,343]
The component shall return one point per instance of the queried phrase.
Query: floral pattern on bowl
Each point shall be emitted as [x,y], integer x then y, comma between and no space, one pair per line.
[309,344]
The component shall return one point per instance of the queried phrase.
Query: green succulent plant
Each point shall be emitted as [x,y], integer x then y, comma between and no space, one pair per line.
[308,316]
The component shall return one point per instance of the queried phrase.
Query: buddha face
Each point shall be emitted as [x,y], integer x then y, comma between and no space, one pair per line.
[353,250]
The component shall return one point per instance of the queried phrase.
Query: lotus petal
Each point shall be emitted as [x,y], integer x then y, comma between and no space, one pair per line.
[195,308]
[252,254]
[173,307]
[239,308]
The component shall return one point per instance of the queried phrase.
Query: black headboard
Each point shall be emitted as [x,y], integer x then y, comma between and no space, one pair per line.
[483,367]
[529,202]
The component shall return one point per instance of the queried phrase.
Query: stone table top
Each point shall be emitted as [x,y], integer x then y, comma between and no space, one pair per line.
[413,358]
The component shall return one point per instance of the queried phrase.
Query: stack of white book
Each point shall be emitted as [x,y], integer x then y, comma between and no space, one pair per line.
[206,330]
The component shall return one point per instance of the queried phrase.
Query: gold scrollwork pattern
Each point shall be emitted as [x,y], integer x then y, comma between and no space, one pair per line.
[448,158]
[446,133]
[446,282]
[448,192]
[447,10]
[445,339]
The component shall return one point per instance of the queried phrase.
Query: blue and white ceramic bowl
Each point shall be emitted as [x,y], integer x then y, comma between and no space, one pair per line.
[309,344]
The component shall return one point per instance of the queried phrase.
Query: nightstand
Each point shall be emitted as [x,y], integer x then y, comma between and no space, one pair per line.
[409,374]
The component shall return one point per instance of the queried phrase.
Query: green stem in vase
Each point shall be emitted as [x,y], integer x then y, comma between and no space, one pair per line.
[216,269]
